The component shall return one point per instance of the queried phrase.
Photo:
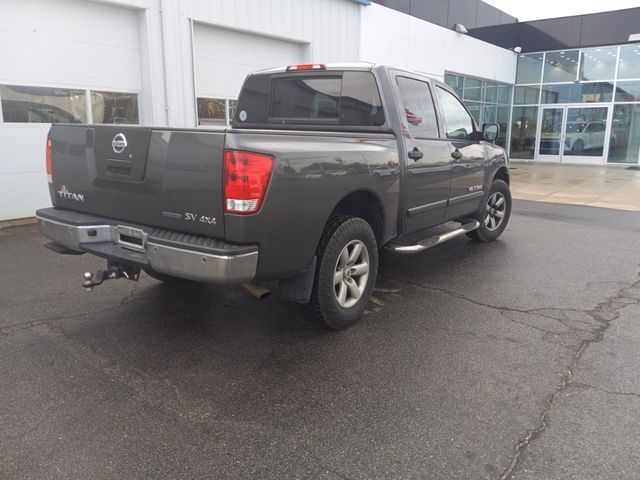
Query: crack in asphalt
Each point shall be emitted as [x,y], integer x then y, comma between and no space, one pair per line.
[603,390]
[603,315]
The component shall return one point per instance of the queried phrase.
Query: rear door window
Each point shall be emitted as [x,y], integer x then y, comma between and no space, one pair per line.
[419,115]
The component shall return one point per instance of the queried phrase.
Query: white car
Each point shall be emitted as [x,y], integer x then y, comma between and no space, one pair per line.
[582,136]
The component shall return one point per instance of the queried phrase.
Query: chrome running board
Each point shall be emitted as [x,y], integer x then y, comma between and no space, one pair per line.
[434,240]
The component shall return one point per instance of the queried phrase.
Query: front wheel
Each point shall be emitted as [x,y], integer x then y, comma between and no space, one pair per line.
[494,214]
[346,272]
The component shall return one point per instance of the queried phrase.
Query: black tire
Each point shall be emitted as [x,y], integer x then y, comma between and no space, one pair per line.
[343,233]
[168,279]
[488,230]
[578,146]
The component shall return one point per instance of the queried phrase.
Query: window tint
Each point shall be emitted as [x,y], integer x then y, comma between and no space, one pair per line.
[113,107]
[418,107]
[343,98]
[458,123]
[42,104]
[306,97]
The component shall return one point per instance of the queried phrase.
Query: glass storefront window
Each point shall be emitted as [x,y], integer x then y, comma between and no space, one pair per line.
[625,134]
[490,92]
[598,63]
[472,89]
[113,107]
[502,119]
[629,62]
[455,81]
[488,114]
[529,68]
[560,66]
[523,132]
[474,110]
[22,104]
[526,95]
[504,94]
[577,93]
[628,91]
[212,111]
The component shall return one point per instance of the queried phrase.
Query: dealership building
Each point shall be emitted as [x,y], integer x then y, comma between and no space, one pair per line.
[563,90]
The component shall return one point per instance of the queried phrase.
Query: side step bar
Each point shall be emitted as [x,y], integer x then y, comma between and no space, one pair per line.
[434,240]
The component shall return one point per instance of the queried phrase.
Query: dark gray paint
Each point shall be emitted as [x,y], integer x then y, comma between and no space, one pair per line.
[597,29]
[313,172]
[446,13]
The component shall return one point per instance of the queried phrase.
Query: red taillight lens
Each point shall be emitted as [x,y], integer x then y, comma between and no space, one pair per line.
[306,66]
[49,161]
[246,178]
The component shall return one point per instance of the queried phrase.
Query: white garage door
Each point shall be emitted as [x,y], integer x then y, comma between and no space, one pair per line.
[223,58]
[59,60]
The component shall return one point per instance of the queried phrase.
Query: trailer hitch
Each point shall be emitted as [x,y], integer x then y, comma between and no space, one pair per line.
[113,271]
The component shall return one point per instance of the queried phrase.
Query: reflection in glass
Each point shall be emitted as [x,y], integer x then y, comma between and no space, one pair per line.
[490,92]
[629,62]
[577,93]
[585,132]
[628,91]
[523,132]
[113,107]
[529,68]
[42,104]
[551,131]
[212,111]
[472,89]
[455,81]
[598,63]
[502,119]
[526,95]
[561,66]
[474,110]
[504,94]
[625,129]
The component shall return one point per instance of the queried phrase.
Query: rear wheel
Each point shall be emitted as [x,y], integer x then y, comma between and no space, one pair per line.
[346,272]
[494,214]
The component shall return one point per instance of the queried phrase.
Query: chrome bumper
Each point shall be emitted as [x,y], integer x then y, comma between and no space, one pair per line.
[104,240]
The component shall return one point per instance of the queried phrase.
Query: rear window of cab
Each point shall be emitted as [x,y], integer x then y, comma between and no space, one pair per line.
[311,98]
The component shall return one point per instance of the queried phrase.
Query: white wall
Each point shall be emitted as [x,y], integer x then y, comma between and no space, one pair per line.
[66,43]
[398,39]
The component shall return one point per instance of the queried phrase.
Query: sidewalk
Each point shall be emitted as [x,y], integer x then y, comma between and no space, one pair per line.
[595,186]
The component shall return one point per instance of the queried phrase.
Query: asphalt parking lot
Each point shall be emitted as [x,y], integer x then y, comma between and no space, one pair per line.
[517,359]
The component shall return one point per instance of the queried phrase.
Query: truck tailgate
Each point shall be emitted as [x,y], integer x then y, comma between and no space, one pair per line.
[147,176]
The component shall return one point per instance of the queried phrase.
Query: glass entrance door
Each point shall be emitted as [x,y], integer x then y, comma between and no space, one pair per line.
[576,134]
[586,138]
[551,133]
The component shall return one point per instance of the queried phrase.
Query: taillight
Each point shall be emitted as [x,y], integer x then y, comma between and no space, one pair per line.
[49,161]
[306,66]
[246,178]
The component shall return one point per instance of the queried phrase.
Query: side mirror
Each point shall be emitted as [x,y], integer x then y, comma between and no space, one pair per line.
[490,131]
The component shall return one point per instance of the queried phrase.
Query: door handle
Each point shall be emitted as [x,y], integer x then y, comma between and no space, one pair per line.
[456,154]
[415,154]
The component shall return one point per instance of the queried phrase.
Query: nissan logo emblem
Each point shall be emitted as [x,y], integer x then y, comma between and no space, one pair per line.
[119,143]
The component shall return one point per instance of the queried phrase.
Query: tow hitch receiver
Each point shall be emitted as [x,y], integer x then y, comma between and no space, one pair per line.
[112,272]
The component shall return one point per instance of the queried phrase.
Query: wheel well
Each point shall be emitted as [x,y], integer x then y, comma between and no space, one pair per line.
[366,206]
[502,174]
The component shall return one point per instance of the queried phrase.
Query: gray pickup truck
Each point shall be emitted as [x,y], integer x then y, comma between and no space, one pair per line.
[323,166]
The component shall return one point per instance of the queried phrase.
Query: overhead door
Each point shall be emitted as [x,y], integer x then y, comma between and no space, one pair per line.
[223,58]
[60,61]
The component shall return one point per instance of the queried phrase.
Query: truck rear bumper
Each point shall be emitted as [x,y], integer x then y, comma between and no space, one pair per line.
[173,253]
